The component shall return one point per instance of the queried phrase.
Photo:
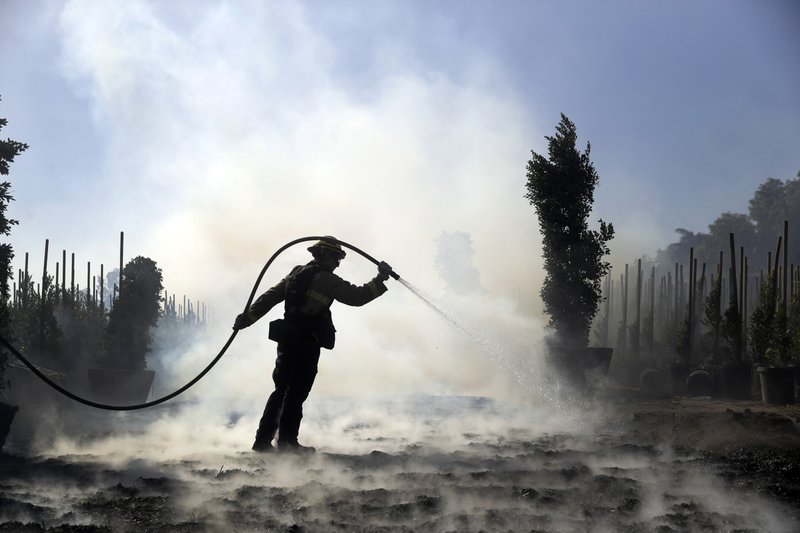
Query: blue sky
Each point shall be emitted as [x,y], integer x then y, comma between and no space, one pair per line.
[213,132]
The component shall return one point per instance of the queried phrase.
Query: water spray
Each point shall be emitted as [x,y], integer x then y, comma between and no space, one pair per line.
[205,371]
[488,349]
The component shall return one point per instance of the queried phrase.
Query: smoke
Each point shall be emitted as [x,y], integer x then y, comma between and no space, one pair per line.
[444,462]
[230,129]
[233,131]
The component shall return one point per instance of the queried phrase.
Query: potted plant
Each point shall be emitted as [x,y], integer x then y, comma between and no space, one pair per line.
[561,188]
[735,374]
[777,379]
[699,380]
[794,332]
[777,376]
[770,342]
[123,376]
[680,369]
[712,347]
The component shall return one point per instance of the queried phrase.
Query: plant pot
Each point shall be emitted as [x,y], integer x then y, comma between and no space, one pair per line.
[651,382]
[637,367]
[584,369]
[678,372]
[699,383]
[598,360]
[625,373]
[593,367]
[796,365]
[755,380]
[735,380]
[777,384]
[119,386]
[7,412]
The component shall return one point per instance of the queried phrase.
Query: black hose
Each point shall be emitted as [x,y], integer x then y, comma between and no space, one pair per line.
[205,371]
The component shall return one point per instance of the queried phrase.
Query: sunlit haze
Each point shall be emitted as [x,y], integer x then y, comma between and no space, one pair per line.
[212,133]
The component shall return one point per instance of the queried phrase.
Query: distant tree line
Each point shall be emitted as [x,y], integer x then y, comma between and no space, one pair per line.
[773,202]
[68,329]
[731,294]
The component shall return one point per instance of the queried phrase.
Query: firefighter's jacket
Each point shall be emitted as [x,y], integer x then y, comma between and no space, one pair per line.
[326,287]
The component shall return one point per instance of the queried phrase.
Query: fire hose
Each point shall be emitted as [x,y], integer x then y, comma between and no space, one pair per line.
[205,371]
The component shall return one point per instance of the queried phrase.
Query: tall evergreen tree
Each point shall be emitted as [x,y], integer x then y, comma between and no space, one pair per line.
[9,149]
[561,188]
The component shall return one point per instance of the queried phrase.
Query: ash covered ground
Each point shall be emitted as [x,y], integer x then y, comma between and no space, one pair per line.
[420,463]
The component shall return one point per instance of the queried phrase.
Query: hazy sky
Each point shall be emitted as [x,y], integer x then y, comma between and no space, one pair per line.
[213,132]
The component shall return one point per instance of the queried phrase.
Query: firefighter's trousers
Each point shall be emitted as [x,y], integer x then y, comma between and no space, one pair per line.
[295,370]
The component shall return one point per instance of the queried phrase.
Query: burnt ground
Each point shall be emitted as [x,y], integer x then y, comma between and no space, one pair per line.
[670,464]
[710,424]
[751,445]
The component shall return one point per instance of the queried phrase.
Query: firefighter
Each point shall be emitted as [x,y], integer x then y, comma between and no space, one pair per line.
[307,292]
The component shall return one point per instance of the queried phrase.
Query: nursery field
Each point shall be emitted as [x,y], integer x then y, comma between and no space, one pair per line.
[431,463]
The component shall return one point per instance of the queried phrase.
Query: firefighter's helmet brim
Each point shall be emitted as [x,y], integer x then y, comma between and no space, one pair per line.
[328,244]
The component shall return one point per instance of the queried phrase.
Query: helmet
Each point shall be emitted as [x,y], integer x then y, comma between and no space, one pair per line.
[327,244]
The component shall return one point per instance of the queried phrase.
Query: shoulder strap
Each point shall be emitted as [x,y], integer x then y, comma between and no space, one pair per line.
[297,285]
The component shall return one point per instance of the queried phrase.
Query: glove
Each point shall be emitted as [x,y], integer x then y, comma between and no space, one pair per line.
[242,321]
[384,271]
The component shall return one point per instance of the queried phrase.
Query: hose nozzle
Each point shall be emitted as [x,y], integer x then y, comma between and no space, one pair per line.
[386,269]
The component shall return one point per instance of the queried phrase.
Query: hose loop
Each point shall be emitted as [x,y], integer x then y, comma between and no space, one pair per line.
[198,377]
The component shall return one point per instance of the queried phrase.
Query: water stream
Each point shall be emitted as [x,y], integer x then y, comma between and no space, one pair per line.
[487,347]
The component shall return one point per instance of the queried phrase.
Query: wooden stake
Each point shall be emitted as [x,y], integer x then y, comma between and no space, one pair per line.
[121,249]
[734,296]
[636,338]
[690,319]
[88,283]
[25,290]
[72,279]
[677,290]
[119,289]
[719,273]
[606,332]
[625,314]
[745,274]
[784,344]
[741,281]
[652,318]
[64,273]
[44,289]
[669,295]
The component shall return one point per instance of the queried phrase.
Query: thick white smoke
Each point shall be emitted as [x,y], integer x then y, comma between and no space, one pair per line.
[230,128]
[233,133]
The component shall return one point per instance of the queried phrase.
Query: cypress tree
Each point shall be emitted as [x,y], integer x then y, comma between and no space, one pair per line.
[561,188]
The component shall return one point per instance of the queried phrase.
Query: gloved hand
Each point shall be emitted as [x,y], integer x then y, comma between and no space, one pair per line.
[242,321]
[384,271]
